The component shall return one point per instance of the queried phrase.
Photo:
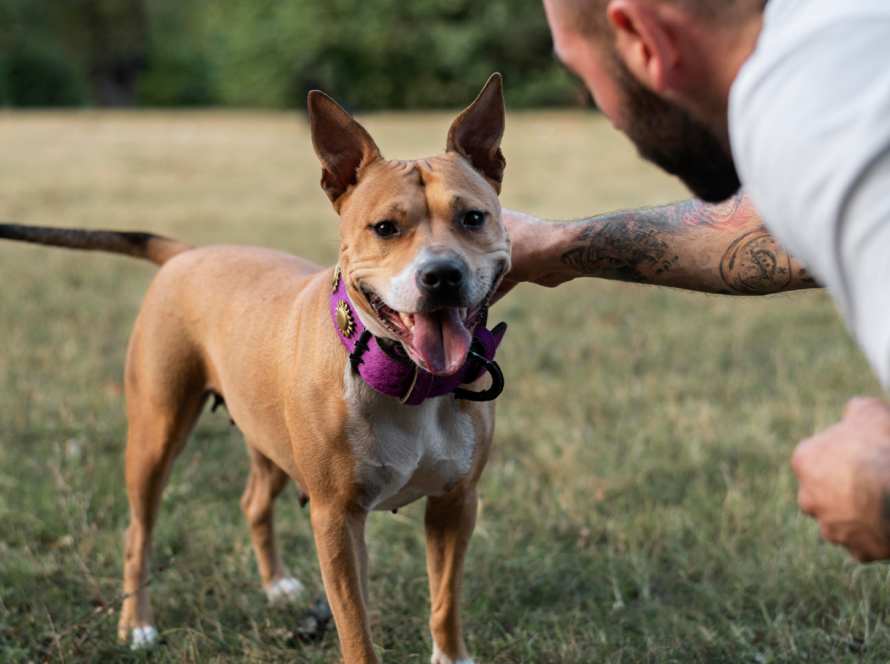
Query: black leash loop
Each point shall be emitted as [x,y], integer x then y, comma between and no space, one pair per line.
[497,385]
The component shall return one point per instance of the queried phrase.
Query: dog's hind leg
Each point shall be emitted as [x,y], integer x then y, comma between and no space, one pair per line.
[162,407]
[449,522]
[266,481]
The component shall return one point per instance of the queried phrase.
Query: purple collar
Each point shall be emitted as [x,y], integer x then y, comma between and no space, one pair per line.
[395,375]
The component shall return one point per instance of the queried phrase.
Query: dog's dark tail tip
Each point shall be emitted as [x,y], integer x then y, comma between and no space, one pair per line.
[154,248]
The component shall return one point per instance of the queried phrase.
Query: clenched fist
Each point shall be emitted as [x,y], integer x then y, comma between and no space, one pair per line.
[844,476]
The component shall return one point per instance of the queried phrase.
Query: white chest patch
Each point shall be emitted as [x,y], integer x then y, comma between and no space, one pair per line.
[406,452]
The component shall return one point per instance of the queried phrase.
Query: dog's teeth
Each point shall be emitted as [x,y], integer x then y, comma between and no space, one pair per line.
[407,320]
[463,313]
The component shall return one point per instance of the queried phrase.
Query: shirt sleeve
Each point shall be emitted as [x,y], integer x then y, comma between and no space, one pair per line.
[810,130]
[864,240]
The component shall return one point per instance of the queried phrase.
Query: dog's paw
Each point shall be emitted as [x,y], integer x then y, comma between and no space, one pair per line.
[440,657]
[143,637]
[286,590]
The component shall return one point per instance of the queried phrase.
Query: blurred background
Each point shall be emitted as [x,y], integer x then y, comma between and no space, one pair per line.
[368,54]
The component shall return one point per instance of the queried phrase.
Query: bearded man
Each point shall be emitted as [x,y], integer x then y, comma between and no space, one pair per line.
[777,116]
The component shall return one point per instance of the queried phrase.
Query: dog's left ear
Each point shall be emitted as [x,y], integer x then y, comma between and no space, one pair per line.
[477,132]
[343,146]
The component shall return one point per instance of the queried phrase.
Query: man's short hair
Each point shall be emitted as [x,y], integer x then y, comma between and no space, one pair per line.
[589,16]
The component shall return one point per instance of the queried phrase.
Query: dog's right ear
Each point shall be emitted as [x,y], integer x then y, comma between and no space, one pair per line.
[342,144]
[477,132]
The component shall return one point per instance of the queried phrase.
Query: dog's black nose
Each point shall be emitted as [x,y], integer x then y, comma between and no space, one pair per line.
[441,280]
[441,274]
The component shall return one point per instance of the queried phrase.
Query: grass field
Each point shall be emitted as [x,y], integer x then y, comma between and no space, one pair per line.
[638,506]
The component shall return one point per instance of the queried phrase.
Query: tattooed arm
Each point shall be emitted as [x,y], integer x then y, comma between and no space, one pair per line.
[695,246]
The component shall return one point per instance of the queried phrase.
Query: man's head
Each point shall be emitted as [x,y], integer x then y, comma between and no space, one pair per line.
[590,16]
[661,71]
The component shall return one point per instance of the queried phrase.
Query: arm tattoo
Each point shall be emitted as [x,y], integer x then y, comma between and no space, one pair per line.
[644,246]
[628,246]
[619,249]
[721,216]
[756,263]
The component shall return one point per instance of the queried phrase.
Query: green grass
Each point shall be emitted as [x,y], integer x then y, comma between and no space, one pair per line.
[638,506]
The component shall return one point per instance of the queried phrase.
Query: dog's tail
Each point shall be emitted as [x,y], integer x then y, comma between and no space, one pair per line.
[155,248]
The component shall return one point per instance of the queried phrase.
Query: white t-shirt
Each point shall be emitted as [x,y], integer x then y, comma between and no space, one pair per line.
[809,118]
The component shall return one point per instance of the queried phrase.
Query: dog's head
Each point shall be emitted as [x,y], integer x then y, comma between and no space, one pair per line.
[423,244]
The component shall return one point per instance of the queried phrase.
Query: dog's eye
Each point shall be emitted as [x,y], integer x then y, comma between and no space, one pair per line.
[474,219]
[385,229]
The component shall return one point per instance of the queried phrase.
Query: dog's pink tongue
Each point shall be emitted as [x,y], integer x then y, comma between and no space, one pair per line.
[442,340]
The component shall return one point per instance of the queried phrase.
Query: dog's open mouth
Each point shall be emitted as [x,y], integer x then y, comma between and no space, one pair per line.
[436,340]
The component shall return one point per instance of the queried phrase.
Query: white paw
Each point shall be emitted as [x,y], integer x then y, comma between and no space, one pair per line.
[440,657]
[143,637]
[286,590]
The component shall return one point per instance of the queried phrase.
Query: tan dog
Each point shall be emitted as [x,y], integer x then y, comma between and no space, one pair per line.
[423,248]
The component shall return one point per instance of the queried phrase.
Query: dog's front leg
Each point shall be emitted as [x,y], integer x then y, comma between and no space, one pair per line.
[340,539]
[450,520]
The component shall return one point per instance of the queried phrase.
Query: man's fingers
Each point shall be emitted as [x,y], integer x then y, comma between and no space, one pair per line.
[804,459]
[831,533]
[864,551]
[860,542]
[806,503]
[861,555]
[802,462]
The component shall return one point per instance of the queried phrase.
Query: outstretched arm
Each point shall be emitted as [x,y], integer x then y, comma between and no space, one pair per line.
[720,248]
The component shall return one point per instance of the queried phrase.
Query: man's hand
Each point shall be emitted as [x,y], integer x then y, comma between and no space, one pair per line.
[531,259]
[844,476]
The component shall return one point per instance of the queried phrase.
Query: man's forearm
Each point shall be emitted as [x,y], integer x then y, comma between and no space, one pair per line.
[693,245]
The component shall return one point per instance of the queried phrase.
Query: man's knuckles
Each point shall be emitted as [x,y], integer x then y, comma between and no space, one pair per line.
[807,504]
[860,555]
[859,541]
[858,405]
[831,532]
[867,551]
[868,409]
[805,459]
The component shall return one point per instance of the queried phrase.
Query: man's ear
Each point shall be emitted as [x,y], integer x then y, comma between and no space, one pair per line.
[477,132]
[645,41]
[343,146]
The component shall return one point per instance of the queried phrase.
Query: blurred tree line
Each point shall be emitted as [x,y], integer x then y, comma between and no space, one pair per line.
[368,54]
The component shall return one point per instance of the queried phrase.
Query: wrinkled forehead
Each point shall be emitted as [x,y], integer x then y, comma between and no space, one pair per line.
[433,187]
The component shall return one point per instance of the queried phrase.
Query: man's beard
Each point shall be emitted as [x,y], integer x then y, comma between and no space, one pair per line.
[670,137]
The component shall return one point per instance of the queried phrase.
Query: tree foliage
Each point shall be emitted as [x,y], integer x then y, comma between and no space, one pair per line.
[369,54]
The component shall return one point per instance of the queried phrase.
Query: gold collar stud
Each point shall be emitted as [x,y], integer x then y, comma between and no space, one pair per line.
[345,321]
